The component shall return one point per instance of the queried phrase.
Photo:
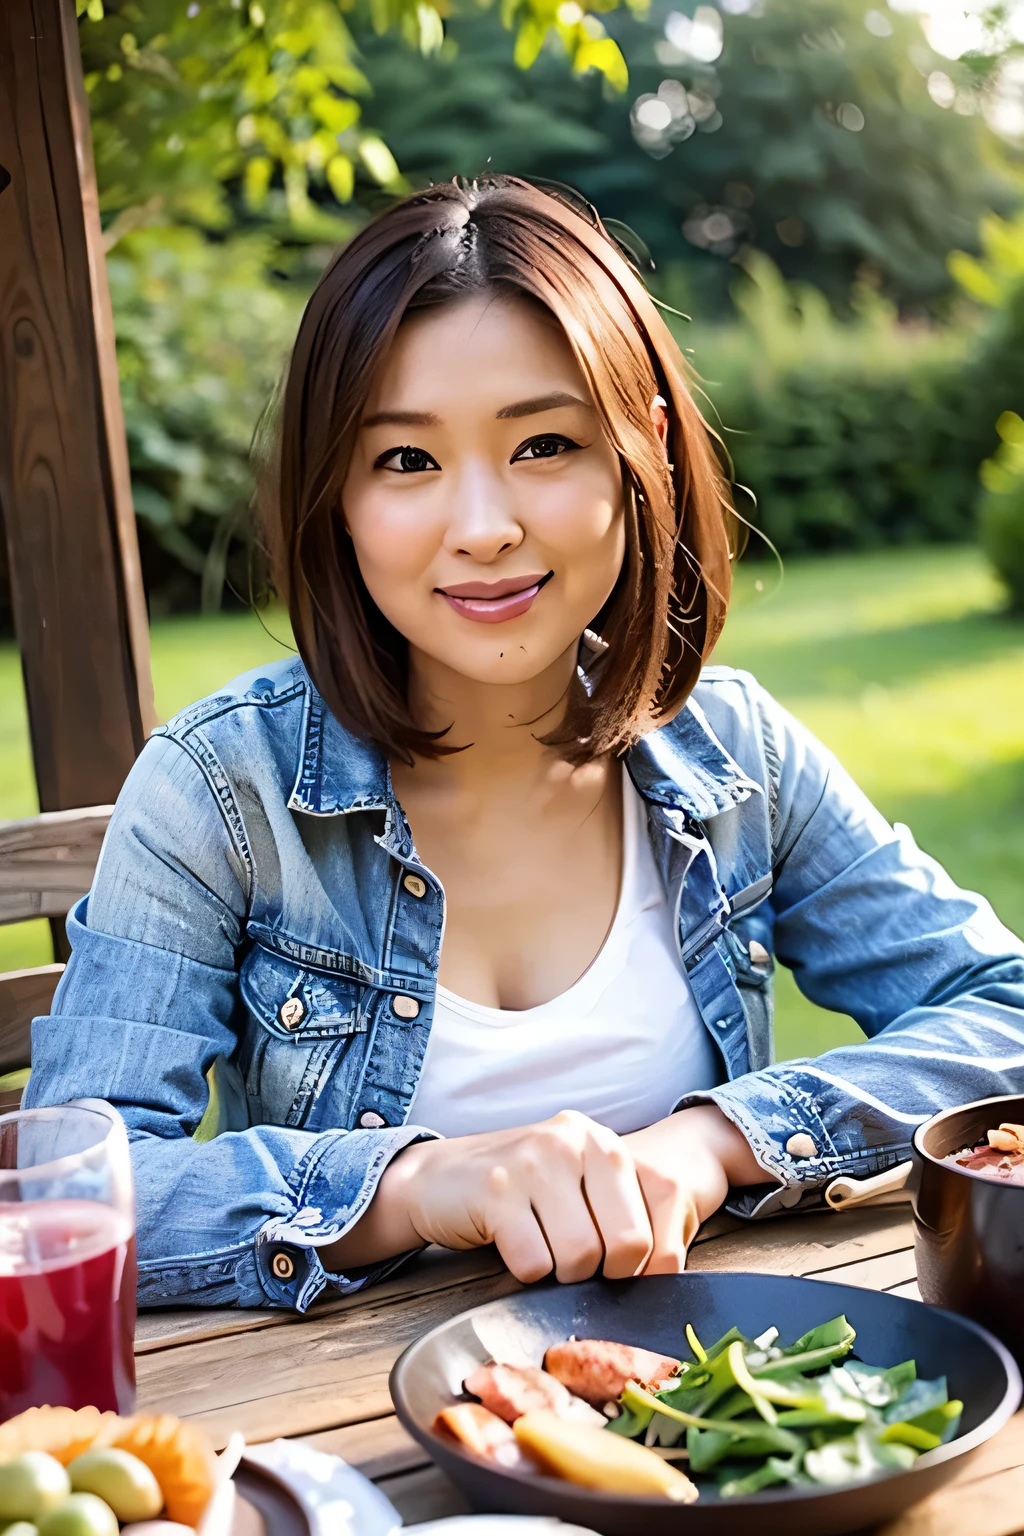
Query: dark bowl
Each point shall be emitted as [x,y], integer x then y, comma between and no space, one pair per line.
[654,1312]
[969,1229]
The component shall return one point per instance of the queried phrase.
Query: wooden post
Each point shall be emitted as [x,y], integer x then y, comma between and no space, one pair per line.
[65,493]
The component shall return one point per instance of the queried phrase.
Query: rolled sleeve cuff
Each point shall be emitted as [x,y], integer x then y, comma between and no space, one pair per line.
[330,1197]
[790,1141]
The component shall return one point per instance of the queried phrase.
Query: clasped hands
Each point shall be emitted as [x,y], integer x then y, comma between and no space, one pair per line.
[566,1195]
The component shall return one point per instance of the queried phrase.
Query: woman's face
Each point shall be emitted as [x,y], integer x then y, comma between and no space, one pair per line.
[484,502]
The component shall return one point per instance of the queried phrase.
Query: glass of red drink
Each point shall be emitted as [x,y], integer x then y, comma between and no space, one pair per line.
[67,1260]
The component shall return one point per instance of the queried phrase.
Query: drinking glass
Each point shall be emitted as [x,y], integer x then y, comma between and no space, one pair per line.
[67,1259]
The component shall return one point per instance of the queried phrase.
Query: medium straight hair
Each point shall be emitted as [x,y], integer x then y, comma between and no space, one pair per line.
[668,606]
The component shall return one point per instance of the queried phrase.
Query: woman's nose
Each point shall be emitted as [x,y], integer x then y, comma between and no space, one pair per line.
[483,521]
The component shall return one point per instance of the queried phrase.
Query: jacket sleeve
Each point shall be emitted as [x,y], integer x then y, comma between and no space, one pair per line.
[149,1001]
[872,927]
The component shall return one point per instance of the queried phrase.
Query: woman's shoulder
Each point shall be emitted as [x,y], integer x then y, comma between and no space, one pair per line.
[270,688]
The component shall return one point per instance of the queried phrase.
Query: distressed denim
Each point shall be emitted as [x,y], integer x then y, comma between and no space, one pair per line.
[253,973]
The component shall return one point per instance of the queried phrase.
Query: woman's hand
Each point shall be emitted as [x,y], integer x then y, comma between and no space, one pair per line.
[686,1164]
[560,1194]
[565,1194]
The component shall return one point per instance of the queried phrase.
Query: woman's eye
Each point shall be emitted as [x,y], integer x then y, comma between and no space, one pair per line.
[406,461]
[543,448]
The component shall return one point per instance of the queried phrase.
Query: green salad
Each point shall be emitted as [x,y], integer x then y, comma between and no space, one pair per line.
[751,1413]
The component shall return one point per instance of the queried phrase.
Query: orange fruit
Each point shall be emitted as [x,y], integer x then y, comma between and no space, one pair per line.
[62,1432]
[179,1456]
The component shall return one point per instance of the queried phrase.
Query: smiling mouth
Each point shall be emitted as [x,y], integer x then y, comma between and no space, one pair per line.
[494,602]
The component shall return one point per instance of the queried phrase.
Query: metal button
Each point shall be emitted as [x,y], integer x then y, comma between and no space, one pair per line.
[758,954]
[371,1121]
[405,1007]
[283,1265]
[415,886]
[292,1012]
[801,1145]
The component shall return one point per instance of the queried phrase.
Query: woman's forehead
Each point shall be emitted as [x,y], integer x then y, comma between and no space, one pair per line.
[490,341]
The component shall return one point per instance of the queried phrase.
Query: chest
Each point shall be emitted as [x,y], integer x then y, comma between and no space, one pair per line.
[531,885]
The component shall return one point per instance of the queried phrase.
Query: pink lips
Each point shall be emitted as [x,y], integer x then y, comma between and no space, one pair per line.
[494,602]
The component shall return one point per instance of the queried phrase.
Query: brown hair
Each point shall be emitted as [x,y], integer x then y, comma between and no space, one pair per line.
[668,605]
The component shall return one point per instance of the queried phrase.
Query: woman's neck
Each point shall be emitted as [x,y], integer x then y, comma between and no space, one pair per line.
[497,724]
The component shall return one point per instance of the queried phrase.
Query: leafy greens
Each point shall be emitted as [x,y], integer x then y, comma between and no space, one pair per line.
[753,1414]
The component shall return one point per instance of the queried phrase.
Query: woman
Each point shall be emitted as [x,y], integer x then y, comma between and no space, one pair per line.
[459,929]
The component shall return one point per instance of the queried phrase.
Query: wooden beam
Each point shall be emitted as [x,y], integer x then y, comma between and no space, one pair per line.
[47,862]
[65,494]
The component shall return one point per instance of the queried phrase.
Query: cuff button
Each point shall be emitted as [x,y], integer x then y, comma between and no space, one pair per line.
[283,1265]
[801,1145]
[371,1121]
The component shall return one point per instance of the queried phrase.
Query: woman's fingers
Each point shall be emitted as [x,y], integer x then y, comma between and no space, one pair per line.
[616,1200]
[575,1243]
[674,1221]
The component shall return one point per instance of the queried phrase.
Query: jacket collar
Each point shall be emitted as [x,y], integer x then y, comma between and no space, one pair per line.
[682,766]
[685,767]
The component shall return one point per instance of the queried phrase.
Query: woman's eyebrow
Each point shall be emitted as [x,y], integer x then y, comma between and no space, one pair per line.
[401,419]
[541,403]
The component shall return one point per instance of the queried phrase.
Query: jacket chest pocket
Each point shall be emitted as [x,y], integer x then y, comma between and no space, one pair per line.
[302,1025]
[749,940]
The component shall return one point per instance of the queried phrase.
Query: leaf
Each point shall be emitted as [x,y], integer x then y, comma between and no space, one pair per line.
[604,55]
[379,161]
[340,175]
[775,1470]
[920,1397]
[855,1458]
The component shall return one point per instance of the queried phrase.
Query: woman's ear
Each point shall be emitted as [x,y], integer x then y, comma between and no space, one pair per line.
[659,416]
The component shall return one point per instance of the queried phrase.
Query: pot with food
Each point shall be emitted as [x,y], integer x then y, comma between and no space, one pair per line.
[969,1214]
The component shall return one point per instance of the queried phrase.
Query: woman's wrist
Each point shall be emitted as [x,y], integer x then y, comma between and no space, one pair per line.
[727,1142]
[385,1229]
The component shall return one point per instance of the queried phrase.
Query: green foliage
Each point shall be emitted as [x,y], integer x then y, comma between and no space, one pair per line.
[205,109]
[855,434]
[201,336]
[810,137]
[1001,508]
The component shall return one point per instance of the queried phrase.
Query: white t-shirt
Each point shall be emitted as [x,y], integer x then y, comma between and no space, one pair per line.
[622,1045]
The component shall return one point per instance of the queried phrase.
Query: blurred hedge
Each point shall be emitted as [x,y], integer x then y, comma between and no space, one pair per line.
[852,435]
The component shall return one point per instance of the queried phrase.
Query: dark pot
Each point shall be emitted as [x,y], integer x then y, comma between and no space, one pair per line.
[969,1229]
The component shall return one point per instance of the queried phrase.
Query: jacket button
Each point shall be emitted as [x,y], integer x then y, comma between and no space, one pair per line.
[283,1265]
[405,1007]
[292,1012]
[758,954]
[801,1145]
[371,1121]
[415,886]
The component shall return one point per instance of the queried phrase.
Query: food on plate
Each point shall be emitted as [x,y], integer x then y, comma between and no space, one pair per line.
[581,1454]
[1000,1157]
[597,1370]
[511,1390]
[63,1433]
[481,1432]
[31,1484]
[747,1413]
[119,1478]
[180,1457]
[82,1514]
[79,1472]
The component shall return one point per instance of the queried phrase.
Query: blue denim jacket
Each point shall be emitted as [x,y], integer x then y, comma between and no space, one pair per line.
[253,973]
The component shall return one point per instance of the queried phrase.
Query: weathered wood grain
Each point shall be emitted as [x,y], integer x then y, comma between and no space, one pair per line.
[323,1372]
[47,862]
[805,1245]
[377,1447]
[883,1273]
[79,607]
[23,996]
[434,1270]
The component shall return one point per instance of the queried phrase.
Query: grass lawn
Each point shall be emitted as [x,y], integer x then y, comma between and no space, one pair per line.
[901,661]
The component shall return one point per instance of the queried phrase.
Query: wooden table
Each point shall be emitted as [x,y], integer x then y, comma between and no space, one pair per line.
[325,1376]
